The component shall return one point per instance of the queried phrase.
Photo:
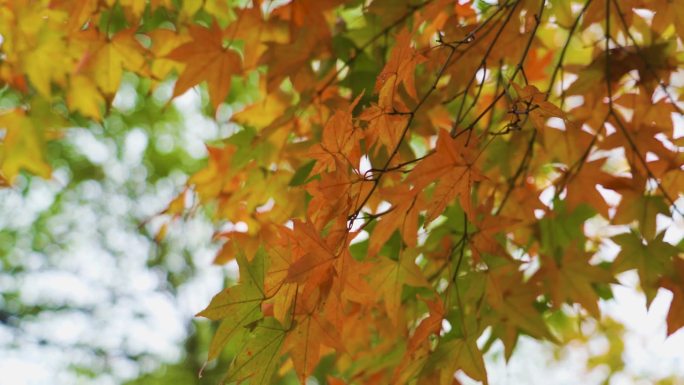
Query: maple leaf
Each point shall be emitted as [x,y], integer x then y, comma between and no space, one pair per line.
[582,187]
[389,277]
[384,124]
[567,146]
[106,58]
[335,195]
[305,345]
[339,142]
[636,206]
[651,260]
[563,228]
[331,196]
[675,283]
[452,167]
[314,255]
[401,66]
[21,148]
[668,13]
[280,244]
[457,354]
[537,64]
[291,59]
[236,243]
[483,240]
[309,14]
[80,11]
[647,60]
[417,347]
[513,301]
[469,147]
[265,114]
[403,216]
[351,282]
[84,97]
[304,341]
[206,59]
[164,41]
[431,325]
[34,45]
[210,181]
[238,306]
[572,278]
[258,359]
[253,31]
[47,63]
[533,102]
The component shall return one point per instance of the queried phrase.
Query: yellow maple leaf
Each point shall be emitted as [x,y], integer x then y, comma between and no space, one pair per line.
[106,58]
[83,96]
[22,147]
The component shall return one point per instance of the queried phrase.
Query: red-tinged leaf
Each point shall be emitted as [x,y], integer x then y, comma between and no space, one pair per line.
[236,243]
[253,31]
[292,59]
[675,316]
[305,266]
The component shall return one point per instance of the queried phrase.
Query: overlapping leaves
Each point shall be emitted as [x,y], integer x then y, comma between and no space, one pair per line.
[398,164]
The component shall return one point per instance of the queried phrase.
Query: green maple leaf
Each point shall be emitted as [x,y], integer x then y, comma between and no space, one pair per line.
[652,260]
[239,305]
[257,360]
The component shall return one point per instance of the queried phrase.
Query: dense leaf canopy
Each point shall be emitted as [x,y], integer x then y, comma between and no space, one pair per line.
[399,178]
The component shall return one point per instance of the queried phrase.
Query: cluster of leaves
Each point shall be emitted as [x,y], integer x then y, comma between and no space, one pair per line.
[411,176]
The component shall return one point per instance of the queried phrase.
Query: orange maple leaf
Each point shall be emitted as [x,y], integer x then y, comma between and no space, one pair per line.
[206,59]
[402,64]
[675,316]
[452,167]
[403,216]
